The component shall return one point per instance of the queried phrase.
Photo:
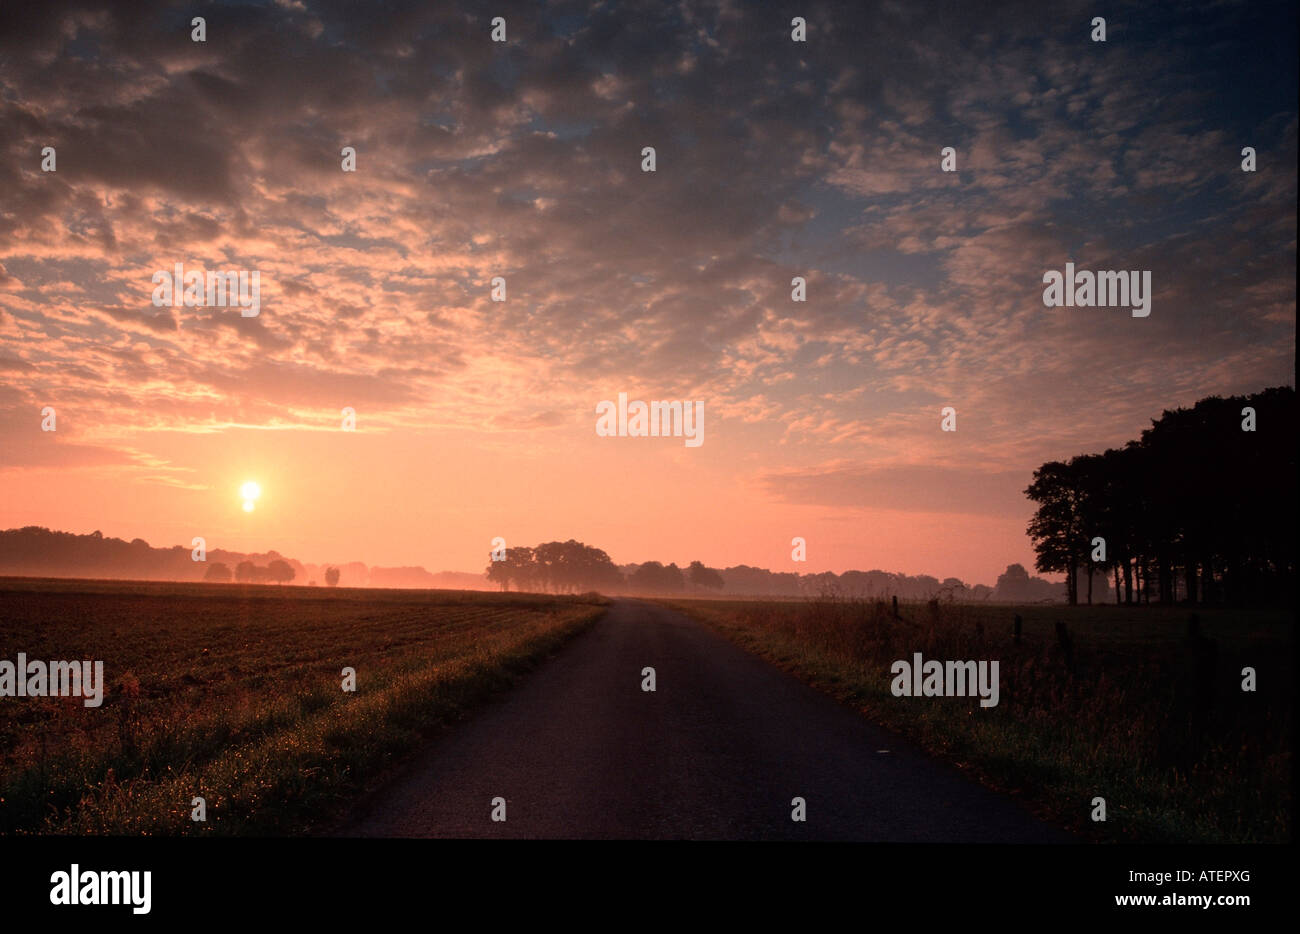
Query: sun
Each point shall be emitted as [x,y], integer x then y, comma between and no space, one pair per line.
[250,491]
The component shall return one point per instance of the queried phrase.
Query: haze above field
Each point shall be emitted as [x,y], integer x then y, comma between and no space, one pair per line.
[475,419]
[36,553]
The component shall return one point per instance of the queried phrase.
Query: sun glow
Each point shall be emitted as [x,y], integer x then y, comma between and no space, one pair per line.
[250,491]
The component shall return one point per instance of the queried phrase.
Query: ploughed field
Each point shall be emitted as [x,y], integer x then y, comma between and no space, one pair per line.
[234,693]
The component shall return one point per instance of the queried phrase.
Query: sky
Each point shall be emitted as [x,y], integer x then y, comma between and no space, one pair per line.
[475,159]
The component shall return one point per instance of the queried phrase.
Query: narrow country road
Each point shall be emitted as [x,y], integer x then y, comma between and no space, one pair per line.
[579,751]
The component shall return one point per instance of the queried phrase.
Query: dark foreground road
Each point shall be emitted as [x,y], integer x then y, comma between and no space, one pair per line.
[578,750]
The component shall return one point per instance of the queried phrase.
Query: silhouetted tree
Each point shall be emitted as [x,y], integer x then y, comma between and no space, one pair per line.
[218,572]
[562,567]
[519,565]
[1056,529]
[653,577]
[701,576]
[332,576]
[1196,504]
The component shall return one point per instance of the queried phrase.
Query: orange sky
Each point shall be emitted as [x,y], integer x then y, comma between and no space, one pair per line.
[395,498]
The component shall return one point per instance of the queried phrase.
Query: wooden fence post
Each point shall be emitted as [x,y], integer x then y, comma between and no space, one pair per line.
[1067,646]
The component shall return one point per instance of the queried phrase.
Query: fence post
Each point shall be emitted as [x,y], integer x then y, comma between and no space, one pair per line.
[895,606]
[1067,646]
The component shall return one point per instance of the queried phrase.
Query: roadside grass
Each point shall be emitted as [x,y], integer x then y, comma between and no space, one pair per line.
[234,693]
[1124,717]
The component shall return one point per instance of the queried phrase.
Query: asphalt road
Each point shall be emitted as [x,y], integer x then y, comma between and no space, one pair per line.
[579,751]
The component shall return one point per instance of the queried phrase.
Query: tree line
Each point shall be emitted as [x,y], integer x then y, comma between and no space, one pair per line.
[562,567]
[1201,508]
[572,567]
[246,572]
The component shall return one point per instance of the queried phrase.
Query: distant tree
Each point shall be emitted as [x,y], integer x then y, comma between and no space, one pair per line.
[332,576]
[280,571]
[218,572]
[592,569]
[1013,584]
[953,589]
[701,576]
[555,568]
[653,577]
[560,567]
[519,565]
[247,572]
